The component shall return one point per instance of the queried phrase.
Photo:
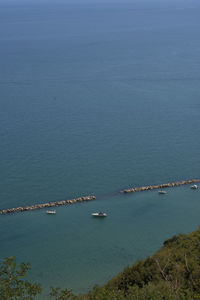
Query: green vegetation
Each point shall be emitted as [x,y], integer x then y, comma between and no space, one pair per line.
[13,285]
[172,273]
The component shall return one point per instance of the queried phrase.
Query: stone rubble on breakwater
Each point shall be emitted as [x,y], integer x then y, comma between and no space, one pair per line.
[89,198]
[44,205]
[160,186]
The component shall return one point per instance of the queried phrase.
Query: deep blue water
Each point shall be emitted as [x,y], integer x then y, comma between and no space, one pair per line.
[96,97]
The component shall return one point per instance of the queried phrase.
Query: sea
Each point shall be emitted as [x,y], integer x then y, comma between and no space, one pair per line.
[95,97]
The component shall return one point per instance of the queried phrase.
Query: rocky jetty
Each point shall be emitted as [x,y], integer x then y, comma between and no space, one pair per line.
[44,205]
[160,186]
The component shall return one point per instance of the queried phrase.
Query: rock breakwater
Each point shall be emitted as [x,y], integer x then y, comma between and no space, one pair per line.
[160,186]
[44,205]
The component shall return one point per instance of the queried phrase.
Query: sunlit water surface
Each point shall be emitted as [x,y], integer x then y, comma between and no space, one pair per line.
[94,98]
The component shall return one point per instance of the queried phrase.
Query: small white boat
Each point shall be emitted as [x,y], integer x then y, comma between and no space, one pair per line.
[162,192]
[51,212]
[99,214]
[194,187]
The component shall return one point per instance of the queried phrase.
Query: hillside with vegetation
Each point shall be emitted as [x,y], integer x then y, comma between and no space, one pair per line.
[172,273]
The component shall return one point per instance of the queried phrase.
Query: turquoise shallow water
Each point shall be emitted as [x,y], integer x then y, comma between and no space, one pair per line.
[94,98]
[74,250]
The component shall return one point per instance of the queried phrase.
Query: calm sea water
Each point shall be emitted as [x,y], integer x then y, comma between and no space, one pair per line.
[96,97]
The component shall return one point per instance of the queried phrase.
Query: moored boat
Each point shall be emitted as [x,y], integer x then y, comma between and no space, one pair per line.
[162,192]
[99,214]
[194,187]
[51,212]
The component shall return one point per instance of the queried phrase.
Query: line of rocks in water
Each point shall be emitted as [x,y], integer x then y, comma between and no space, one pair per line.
[89,198]
[160,186]
[44,205]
